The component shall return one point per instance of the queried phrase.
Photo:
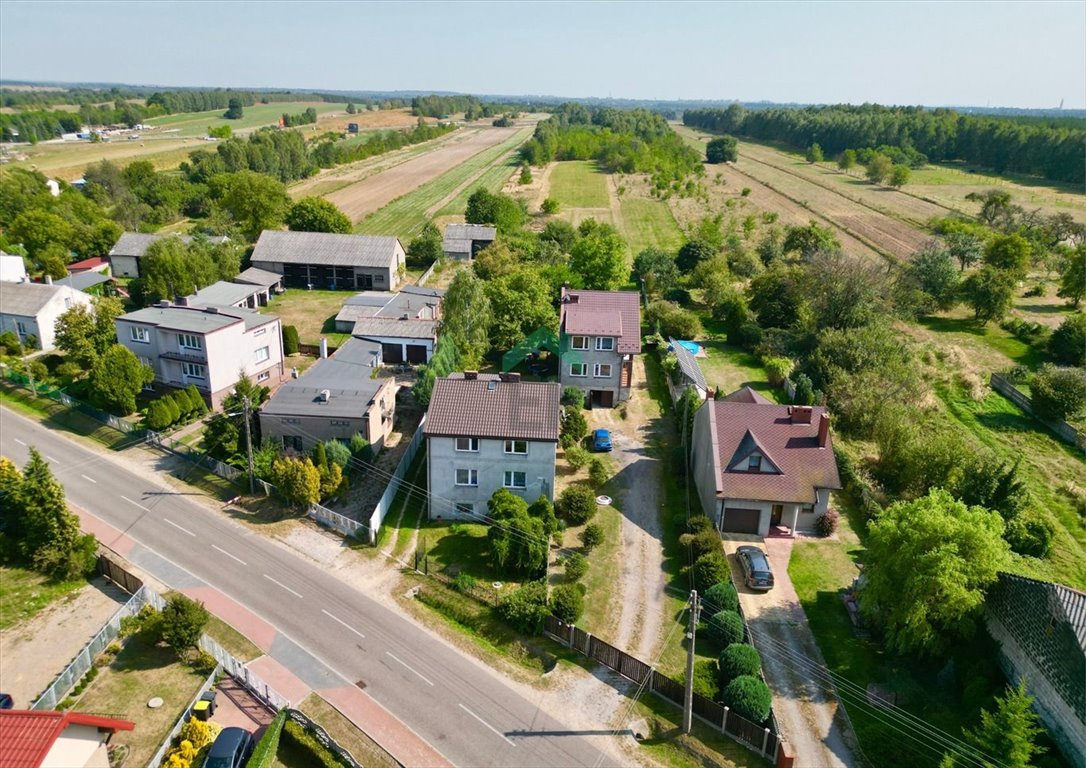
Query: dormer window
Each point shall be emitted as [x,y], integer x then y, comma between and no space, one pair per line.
[754,464]
[605,343]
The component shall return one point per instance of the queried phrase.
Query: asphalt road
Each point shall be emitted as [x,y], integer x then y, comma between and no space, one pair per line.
[329,633]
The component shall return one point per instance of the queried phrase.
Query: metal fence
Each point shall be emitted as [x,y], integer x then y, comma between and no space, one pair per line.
[1063,430]
[754,736]
[340,523]
[322,736]
[377,517]
[58,396]
[249,679]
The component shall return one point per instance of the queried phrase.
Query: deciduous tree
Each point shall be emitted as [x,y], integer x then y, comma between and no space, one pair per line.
[724,149]
[315,214]
[899,176]
[656,269]
[1010,253]
[1058,393]
[846,161]
[467,317]
[182,622]
[878,168]
[1073,279]
[116,378]
[599,259]
[814,153]
[990,292]
[518,542]
[254,200]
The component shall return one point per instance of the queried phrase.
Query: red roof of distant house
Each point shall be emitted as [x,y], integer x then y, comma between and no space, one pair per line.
[747,395]
[26,736]
[603,313]
[88,265]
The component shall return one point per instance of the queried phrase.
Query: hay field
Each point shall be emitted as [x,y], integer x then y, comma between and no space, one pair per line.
[68,160]
[579,184]
[256,116]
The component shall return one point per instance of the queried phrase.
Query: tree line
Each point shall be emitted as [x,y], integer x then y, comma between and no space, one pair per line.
[331,149]
[1051,149]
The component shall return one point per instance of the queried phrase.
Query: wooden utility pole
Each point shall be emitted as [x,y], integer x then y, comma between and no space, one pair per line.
[249,446]
[688,698]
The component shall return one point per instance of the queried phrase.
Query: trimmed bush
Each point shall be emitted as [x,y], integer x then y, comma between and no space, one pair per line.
[721,597]
[576,566]
[337,453]
[264,754]
[567,602]
[698,523]
[525,607]
[826,525]
[704,542]
[598,473]
[290,340]
[576,457]
[726,627]
[303,740]
[750,697]
[572,396]
[710,569]
[577,504]
[739,659]
[591,536]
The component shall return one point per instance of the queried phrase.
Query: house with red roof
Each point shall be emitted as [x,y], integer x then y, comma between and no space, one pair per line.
[31,739]
[763,468]
[600,332]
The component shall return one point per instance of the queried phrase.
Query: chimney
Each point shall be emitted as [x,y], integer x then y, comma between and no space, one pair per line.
[510,378]
[324,348]
[325,395]
[182,301]
[48,279]
[162,303]
[823,431]
[801,414]
[471,375]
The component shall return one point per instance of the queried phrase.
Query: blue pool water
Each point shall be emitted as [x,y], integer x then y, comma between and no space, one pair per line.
[691,347]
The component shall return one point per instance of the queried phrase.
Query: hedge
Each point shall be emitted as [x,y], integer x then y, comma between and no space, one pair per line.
[721,597]
[739,659]
[264,754]
[302,739]
[749,697]
[726,627]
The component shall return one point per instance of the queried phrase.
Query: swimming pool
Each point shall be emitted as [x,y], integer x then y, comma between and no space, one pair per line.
[692,347]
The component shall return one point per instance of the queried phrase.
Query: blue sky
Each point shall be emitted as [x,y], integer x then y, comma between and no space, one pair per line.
[1019,54]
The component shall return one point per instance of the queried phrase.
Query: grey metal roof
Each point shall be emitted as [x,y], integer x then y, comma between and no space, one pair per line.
[384,327]
[223,293]
[346,376]
[186,319]
[456,245]
[261,277]
[688,364]
[275,246]
[487,407]
[135,244]
[81,281]
[27,299]
[414,302]
[469,232]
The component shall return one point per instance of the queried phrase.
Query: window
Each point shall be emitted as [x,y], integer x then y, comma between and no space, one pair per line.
[21,326]
[192,370]
[190,341]
[465,509]
[516,446]
[262,354]
[755,463]
[578,369]
[579,342]
[605,343]
[146,360]
[469,477]
[138,334]
[292,441]
[340,423]
[517,480]
[264,376]
[260,331]
[603,370]
[378,278]
[807,509]
[467,444]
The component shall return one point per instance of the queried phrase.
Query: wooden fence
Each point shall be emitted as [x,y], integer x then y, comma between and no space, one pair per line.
[1062,429]
[754,736]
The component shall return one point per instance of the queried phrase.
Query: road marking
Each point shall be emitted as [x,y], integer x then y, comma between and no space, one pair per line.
[89,479]
[55,461]
[341,621]
[20,442]
[135,504]
[488,725]
[235,557]
[401,661]
[178,527]
[281,584]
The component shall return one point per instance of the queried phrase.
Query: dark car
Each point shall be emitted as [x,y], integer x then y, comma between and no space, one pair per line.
[601,440]
[756,571]
[6,702]
[230,749]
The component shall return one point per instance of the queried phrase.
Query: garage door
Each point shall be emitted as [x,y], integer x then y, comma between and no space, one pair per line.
[741,520]
[416,353]
[392,353]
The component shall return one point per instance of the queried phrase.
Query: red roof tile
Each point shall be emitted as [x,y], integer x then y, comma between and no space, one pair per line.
[27,736]
[581,310]
[93,263]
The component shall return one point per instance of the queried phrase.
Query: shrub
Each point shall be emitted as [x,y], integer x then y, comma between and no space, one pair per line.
[576,566]
[591,536]
[721,597]
[672,320]
[574,426]
[464,582]
[576,457]
[1058,393]
[1067,343]
[577,504]
[726,627]
[203,663]
[710,569]
[264,754]
[304,741]
[739,659]
[158,415]
[750,697]
[199,406]
[826,525]
[290,340]
[598,474]
[549,206]
[704,542]
[361,448]
[11,344]
[337,453]
[573,396]
[567,602]
[698,523]
[778,369]
[196,732]
[183,621]
[706,679]
[525,607]
[1029,534]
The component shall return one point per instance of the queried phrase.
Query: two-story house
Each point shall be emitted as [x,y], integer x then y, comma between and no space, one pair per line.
[600,332]
[211,347]
[485,432]
[30,310]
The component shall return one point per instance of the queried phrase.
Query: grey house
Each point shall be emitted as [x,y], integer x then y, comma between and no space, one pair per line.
[600,332]
[330,261]
[485,432]
[32,309]
[336,399]
[464,241]
[124,257]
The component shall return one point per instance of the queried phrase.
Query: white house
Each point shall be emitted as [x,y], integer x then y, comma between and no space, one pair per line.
[32,309]
[12,268]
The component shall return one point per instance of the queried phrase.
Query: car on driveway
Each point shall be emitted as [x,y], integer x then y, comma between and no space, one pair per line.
[601,440]
[756,571]
[231,748]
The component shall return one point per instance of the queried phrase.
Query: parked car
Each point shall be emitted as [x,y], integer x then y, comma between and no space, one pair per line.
[601,440]
[756,571]
[6,702]
[230,749]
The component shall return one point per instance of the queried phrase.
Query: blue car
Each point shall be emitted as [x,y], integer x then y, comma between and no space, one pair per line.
[601,440]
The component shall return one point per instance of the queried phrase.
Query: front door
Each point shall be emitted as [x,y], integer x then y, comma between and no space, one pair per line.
[778,512]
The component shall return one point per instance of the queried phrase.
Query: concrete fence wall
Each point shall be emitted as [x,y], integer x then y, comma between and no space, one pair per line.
[1063,430]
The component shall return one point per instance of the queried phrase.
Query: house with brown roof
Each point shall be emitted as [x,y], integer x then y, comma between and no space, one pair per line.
[40,739]
[485,432]
[760,467]
[600,332]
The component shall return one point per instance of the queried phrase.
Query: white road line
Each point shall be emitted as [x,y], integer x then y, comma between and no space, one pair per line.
[89,479]
[135,504]
[20,442]
[50,458]
[488,725]
[235,557]
[401,661]
[341,621]
[178,527]
[281,584]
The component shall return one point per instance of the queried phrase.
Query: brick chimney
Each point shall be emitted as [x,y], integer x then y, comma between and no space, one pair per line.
[801,414]
[471,375]
[824,431]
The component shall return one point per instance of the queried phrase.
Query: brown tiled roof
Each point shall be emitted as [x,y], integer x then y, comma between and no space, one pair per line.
[793,448]
[746,395]
[489,408]
[581,309]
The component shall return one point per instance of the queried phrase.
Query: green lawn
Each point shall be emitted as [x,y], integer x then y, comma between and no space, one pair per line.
[649,223]
[603,569]
[405,216]
[579,184]
[25,593]
[256,116]
[729,368]
[53,414]
[313,313]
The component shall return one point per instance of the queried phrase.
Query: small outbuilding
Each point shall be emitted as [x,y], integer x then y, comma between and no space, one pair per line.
[464,241]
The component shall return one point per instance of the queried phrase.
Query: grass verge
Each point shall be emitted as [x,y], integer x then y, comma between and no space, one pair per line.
[346,733]
[233,641]
[57,416]
[648,223]
[25,593]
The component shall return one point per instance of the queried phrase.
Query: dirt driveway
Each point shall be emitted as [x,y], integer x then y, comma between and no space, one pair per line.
[806,712]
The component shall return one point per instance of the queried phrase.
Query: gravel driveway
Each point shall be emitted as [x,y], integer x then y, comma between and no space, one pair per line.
[807,713]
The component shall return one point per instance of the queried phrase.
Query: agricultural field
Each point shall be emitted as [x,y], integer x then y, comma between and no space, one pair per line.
[579,184]
[189,124]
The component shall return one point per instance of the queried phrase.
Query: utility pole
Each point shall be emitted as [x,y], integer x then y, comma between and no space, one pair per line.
[688,698]
[249,446]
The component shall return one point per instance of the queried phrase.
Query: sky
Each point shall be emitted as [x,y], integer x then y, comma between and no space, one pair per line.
[1011,54]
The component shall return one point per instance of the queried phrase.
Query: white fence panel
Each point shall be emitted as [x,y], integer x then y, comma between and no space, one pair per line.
[377,517]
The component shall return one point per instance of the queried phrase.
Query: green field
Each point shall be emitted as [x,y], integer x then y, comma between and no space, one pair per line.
[405,216]
[197,123]
[649,223]
[491,180]
[24,593]
[579,184]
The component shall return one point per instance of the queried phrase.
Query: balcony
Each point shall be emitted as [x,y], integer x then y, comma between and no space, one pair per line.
[195,356]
